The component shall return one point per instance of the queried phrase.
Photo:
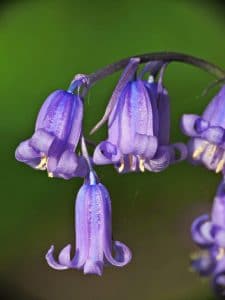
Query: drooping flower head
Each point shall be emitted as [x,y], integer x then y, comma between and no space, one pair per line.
[57,132]
[94,245]
[209,235]
[138,126]
[207,145]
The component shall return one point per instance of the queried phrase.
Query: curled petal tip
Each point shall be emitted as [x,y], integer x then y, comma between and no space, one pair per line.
[201,231]
[64,256]
[123,255]
[52,262]
[187,124]
[106,153]
[25,153]
[182,151]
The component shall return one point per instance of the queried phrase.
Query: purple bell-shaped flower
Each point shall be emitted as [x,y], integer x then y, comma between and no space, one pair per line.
[138,129]
[131,131]
[57,132]
[209,235]
[94,245]
[207,144]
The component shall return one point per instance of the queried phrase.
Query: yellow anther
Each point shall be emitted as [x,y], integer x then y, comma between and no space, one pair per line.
[194,256]
[141,164]
[220,165]
[50,174]
[199,150]
[122,165]
[198,254]
[220,254]
[43,163]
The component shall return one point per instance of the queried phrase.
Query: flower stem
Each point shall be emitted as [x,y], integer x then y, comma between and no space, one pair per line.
[85,153]
[158,56]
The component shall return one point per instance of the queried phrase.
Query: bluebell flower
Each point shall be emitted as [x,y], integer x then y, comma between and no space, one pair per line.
[207,134]
[209,235]
[94,245]
[138,129]
[57,132]
[131,131]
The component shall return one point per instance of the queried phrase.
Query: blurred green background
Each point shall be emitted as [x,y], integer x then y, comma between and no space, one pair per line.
[42,45]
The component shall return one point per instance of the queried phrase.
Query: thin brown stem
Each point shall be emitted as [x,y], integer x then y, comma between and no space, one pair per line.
[218,72]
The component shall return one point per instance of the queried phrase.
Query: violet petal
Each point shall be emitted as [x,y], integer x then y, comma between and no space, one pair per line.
[52,262]
[41,141]
[25,153]
[201,231]
[106,153]
[188,125]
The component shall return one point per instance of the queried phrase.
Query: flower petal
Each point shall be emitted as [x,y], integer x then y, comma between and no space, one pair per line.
[81,221]
[76,120]
[25,153]
[214,134]
[218,210]
[96,218]
[128,74]
[123,255]
[141,108]
[45,107]
[140,144]
[41,141]
[64,256]
[219,278]
[136,116]
[160,161]
[93,267]
[205,264]
[220,238]
[215,111]
[201,231]
[188,125]
[52,262]
[69,165]
[106,153]
[183,152]
[152,90]
[56,118]
[151,148]
[163,103]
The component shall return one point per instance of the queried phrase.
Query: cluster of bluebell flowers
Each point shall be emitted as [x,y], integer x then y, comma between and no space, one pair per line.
[209,234]
[138,140]
[207,147]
